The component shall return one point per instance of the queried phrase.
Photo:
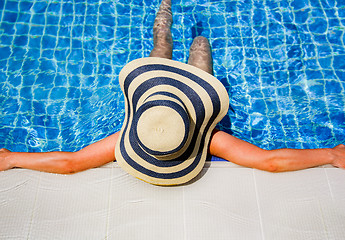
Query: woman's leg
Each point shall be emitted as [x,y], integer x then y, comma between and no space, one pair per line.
[162,39]
[200,54]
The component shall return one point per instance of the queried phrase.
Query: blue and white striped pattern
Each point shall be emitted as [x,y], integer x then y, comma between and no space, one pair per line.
[205,100]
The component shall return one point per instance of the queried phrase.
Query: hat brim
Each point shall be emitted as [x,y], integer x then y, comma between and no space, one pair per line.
[206,101]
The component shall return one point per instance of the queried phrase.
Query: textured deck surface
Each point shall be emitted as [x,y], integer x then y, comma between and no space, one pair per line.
[226,202]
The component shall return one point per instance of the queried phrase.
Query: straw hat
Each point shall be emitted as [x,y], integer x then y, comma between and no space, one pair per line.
[171,110]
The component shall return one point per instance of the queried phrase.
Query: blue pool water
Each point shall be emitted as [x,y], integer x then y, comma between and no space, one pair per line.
[282,62]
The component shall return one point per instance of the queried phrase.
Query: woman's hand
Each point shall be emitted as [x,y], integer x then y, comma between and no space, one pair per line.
[4,159]
[230,148]
[339,156]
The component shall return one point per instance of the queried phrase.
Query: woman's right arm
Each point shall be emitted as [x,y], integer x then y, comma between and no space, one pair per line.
[94,155]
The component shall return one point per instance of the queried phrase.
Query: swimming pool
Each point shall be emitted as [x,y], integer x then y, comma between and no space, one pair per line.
[282,63]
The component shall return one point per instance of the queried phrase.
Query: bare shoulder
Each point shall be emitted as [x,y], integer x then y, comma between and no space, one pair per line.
[223,138]
[220,141]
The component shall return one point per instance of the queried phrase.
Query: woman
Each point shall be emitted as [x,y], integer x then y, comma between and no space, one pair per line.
[221,144]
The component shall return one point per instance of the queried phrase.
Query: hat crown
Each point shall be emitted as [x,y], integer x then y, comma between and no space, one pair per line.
[162,125]
[204,101]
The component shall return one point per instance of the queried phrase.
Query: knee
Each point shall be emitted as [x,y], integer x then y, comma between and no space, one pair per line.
[201,39]
[162,51]
[200,42]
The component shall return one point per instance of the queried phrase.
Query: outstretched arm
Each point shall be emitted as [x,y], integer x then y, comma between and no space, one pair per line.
[222,145]
[230,148]
[94,155]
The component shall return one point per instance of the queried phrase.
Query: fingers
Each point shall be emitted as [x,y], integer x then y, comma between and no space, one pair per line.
[4,161]
[339,156]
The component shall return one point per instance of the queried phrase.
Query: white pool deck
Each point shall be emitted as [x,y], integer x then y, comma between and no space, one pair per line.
[226,202]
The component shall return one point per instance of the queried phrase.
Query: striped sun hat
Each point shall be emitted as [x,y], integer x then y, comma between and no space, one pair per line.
[171,110]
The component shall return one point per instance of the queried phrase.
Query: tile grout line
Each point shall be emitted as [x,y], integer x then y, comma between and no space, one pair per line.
[109,203]
[329,184]
[323,220]
[184,213]
[258,205]
[34,205]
